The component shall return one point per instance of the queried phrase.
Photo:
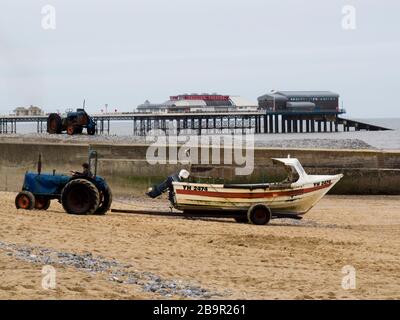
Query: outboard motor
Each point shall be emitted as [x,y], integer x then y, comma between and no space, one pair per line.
[166,185]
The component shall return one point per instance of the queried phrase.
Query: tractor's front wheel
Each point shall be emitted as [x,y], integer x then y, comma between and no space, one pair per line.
[42,203]
[71,129]
[25,200]
[80,196]
[91,131]
[106,200]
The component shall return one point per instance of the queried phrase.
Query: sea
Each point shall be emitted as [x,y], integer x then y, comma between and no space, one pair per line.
[384,140]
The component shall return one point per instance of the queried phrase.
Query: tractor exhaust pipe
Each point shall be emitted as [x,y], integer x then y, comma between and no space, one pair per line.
[39,164]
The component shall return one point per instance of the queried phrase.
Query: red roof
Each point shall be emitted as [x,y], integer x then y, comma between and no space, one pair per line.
[208,97]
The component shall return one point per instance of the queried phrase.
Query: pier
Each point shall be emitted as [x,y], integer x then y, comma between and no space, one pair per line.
[258,122]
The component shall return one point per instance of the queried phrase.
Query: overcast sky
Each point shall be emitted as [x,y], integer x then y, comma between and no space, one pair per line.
[124,52]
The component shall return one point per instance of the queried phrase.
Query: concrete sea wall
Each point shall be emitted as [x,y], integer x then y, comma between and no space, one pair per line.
[128,172]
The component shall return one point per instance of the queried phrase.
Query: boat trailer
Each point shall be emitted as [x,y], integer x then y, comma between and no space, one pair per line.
[196,214]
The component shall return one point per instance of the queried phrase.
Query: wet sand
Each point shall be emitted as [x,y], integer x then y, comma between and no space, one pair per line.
[287,259]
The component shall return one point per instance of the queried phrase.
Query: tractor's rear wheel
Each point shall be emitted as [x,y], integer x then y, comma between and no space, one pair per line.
[80,196]
[42,203]
[25,200]
[54,123]
[106,200]
[259,214]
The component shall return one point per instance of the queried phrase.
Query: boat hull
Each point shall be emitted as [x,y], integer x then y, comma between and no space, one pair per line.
[292,199]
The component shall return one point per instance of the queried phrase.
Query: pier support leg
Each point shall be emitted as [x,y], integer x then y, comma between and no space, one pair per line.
[276,124]
[271,124]
[265,123]
[200,124]
[295,125]
[289,125]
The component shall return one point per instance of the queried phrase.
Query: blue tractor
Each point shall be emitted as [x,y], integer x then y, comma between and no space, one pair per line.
[73,123]
[81,193]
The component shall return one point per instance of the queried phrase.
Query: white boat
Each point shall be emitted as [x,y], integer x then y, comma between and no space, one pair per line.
[257,203]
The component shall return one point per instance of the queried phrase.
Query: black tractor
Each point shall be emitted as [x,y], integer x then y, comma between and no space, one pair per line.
[73,123]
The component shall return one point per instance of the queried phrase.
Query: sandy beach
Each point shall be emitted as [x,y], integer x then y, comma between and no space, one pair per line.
[125,256]
[199,151]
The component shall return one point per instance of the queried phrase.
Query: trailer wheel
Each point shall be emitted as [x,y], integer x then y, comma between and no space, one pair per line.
[25,200]
[80,196]
[259,214]
[106,200]
[54,123]
[42,203]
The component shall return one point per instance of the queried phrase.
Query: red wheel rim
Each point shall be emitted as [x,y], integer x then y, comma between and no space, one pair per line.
[23,202]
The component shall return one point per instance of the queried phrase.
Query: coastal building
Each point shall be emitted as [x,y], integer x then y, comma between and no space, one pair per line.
[199,103]
[30,111]
[148,107]
[299,101]
[20,111]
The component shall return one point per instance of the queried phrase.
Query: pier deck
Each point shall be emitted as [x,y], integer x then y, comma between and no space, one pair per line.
[256,121]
